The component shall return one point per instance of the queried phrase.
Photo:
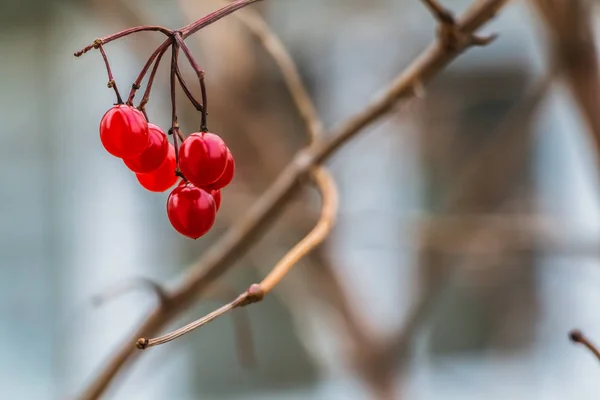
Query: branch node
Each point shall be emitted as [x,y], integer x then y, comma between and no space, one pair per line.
[254,294]
[142,343]
[576,336]
[450,33]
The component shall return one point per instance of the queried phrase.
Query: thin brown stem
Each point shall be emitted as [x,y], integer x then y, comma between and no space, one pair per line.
[252,295]
[200,73]
[144,343]
[186,89]
[577,336]
[118,35]
[111,80]
[174,123]
[214,17]
[157,54]
[146,97]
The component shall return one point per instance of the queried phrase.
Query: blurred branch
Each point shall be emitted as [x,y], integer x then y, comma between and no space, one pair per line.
[273,45]
[573,49]
[126,287]
[220,257]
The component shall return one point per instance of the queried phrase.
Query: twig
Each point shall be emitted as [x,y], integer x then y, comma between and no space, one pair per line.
[200,74]
[230,247]
[577,336]
[111,80]
[118,35]
[174,130]
[158,53]
[163,48]
[197,105]
[213,17]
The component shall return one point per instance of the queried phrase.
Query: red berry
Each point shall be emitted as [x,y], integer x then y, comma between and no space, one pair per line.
[216,194]
[124,131]
[162,178]
[227,176]
[202,158]
[191,210]
[154,155]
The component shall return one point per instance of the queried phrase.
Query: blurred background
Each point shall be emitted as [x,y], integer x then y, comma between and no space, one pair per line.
[466,245]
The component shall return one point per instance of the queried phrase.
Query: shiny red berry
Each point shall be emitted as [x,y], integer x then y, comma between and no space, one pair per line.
[162,178]
[124,131]
[227,176]
[203,158]
[191,210]
[153,156]
[216,194]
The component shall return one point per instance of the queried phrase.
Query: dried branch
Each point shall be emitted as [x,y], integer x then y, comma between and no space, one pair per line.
[111,80]
[219,258]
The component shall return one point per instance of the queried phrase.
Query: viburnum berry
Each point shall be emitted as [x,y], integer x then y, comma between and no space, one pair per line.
[162,178]
[191,210]
[124,131]
[153,156]
[203,158]
[216,194]
[227,175]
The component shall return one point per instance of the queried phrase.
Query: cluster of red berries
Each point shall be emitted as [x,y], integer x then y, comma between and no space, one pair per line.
[205,163]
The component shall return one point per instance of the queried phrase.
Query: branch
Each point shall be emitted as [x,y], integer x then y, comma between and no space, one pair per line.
[573,49]
[231,246]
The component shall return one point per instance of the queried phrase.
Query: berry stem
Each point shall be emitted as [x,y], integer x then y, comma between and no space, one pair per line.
[146,97]
[118,35]
[200,73]
[111,80]
[160,50]
[174,124]
[194,27]
[186,90]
